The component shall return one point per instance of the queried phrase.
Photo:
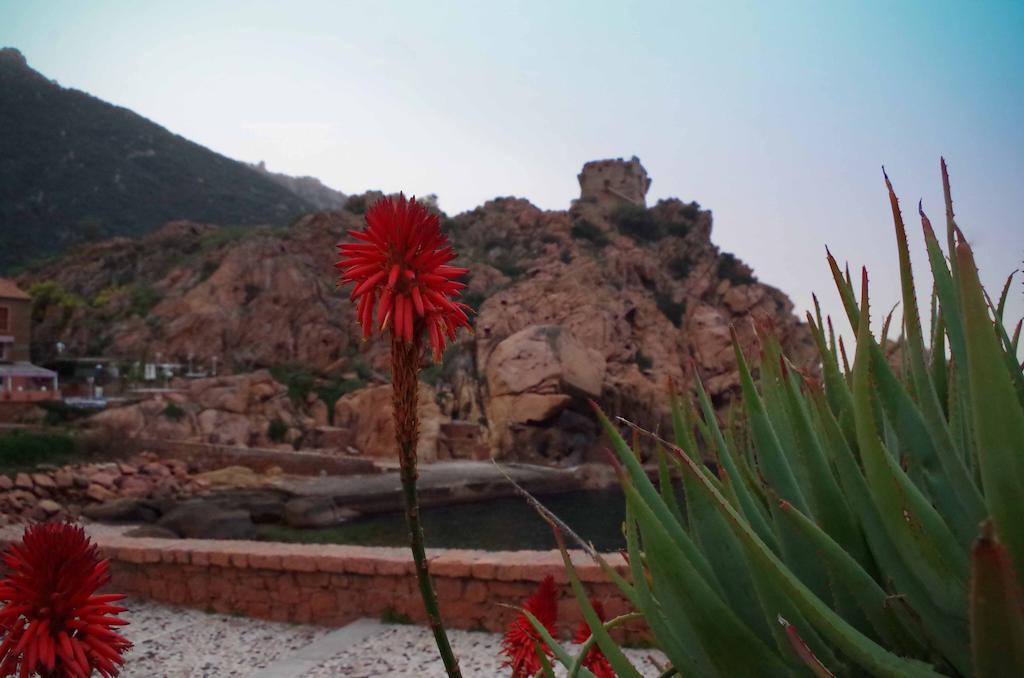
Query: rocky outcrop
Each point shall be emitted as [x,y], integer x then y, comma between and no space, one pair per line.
[637,297]
[245,410]
[369,415]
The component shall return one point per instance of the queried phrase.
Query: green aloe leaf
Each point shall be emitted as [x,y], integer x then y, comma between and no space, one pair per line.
[716,624]
[1001,307]
[872,598]
[997,610]
[998,417]
[868,654]
[564,658]
[643,485]
[945,631]
[677,638]
[545,665]
[929,409]
[749,505]
[915,527]
[773,460]
[622,666]
[724,553]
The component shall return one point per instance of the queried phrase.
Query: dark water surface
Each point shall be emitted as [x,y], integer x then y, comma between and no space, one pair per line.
[495,525]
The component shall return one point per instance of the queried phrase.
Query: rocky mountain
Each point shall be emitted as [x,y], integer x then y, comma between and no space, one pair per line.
[310,189]
[607,300]
[74,168]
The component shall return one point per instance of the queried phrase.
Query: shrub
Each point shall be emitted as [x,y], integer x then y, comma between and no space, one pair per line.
[867,522]
[58,412]
[679,267]
[583,229]
[174,412]
[277,430]
[51,294]
[22,450]
[508,265]
[637,223]
[679,229]
[142,300]
[673,310]
[691,211]
[297,378]
[301,382]
[730,268]
[223,235]
[107,295]
[356,204]
[643,361]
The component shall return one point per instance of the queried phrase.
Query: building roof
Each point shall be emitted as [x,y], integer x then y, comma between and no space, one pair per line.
[9,290]
[26,370]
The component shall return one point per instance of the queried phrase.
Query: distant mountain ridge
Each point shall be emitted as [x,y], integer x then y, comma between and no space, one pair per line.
[310,189]
[74,168]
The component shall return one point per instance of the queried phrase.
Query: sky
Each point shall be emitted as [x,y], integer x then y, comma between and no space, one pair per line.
[776,116]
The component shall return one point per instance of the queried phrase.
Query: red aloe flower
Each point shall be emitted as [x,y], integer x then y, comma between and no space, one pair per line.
[521,638]
[595,659]
[400,269]
[52,622]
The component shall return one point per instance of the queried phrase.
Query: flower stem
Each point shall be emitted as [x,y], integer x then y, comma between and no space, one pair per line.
[405,362]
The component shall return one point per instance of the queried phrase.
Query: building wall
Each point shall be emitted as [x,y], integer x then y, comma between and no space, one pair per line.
[20,327]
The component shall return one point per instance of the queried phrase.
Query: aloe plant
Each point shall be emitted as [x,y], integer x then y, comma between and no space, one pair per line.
[867,522]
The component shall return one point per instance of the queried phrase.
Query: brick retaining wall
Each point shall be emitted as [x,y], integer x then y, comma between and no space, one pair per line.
[333,585]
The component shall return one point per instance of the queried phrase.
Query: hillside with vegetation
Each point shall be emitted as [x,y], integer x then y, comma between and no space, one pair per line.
[75,169]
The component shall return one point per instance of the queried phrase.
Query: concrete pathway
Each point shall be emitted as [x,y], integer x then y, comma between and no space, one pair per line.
[181,643]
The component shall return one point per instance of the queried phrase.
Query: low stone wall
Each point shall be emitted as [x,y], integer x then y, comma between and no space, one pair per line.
[208,456]
[333,585]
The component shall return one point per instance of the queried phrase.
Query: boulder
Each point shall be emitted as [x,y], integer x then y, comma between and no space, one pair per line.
[231,477]
[44,481]
[151,531]
[368,414]
[544,359]
[533,376]
[99,493]
[123,511]
[50,507]
[128,420]
[310,512]
[201,519]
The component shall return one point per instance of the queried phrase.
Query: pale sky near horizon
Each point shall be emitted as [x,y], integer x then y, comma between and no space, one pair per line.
[776,116]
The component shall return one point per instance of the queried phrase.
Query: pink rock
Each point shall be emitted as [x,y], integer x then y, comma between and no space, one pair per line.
[6,483]
[135,486]
[155,468]
[23,481]
[44,480]
[64,478]
[105,478]
[50,506]
[99,493]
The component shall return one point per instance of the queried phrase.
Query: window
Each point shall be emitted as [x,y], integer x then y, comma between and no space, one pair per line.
[3,353]
[5,318]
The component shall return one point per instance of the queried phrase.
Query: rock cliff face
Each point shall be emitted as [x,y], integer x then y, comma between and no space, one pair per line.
[606,301]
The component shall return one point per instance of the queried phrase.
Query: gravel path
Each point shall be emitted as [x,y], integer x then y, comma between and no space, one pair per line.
[182,643]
